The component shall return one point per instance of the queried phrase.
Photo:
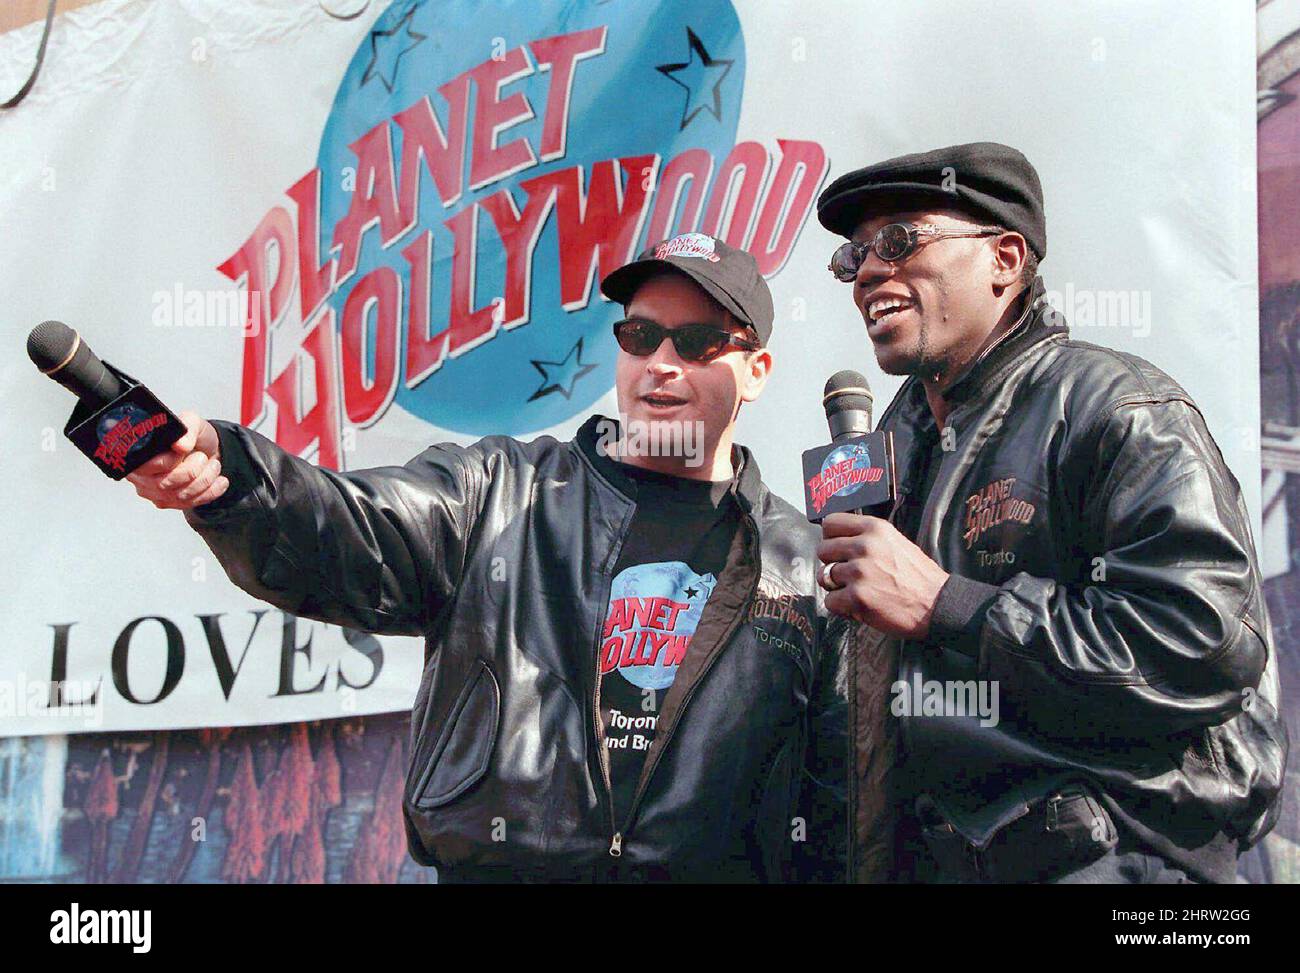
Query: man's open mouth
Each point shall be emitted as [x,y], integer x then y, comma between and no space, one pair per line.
[882,307]
[662,400]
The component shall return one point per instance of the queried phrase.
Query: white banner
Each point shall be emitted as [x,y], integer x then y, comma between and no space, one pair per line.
[363,236]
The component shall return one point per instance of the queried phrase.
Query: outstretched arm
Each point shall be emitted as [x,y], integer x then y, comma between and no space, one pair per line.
[379,550]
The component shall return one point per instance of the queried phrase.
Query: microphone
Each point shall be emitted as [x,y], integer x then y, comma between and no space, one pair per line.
[855,473]
[118,422]
[847,400]
[59,352]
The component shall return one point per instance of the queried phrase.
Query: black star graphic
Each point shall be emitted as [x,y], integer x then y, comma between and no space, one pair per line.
[556,373]
[692,591]
[696,74]
[392,52]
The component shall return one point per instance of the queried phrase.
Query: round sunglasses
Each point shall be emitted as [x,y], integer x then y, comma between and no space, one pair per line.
[895,242]
[696,343]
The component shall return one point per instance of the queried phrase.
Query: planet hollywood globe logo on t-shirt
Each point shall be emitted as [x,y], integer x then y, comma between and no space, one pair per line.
[653,611]
[480,170]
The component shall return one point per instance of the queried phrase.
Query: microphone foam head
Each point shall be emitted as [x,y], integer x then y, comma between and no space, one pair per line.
[846,390]
[50,343]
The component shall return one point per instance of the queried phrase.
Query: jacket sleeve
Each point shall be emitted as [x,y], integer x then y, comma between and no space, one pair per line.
[823,801]
[1162,627]
[378,550]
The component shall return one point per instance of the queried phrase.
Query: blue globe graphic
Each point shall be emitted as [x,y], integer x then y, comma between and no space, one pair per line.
[621,106]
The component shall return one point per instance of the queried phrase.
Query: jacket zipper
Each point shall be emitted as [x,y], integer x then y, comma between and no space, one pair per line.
[616,848]
[602,753]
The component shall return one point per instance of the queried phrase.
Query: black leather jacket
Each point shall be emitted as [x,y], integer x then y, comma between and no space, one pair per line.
[1107,582]
[501,554]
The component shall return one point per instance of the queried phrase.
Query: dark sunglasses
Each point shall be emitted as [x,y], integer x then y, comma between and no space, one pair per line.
[895,242]
[697,343]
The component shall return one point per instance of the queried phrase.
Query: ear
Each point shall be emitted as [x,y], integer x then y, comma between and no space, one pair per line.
[754,374]
[1009,253]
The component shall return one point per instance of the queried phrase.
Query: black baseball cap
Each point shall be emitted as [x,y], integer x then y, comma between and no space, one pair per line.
[728,275]
[991,181]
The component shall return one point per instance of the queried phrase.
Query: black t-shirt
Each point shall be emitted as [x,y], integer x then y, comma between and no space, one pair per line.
[669,566]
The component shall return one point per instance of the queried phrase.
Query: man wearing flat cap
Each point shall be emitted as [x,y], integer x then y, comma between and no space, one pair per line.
[1067,545]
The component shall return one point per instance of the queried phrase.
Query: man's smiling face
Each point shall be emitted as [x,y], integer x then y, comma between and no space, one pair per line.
[926,314]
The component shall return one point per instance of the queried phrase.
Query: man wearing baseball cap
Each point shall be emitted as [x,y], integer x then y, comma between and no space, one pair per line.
[1067,545]
[630,675]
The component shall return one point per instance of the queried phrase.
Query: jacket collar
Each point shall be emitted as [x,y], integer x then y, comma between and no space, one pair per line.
[1037,322]
[746,484]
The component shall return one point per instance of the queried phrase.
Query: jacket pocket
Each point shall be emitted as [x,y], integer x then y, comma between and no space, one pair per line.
[1079,830]
[1065,832]
[776,808]
[464,745]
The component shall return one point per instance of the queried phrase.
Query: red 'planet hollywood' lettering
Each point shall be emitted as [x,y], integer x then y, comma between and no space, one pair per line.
[600,213]
[639,632]
[643,648]
[117,442]
[656,613]
[837,476]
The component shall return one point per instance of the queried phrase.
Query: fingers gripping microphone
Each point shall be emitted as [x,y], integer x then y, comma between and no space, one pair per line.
[118,422]
[855,473]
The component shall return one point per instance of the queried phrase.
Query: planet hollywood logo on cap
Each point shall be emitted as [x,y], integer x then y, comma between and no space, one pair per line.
[688,245]
[479,172]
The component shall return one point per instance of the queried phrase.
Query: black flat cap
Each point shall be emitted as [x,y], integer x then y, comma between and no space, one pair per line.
[990,181]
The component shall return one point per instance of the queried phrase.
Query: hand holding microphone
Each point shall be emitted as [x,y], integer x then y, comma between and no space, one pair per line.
[870,571]
[121,426]
[187,476]
[875,575]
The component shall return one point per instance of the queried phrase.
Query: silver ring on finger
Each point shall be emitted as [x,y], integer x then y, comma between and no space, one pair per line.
[828,577]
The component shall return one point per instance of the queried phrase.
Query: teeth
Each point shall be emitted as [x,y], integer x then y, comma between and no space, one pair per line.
[878,309]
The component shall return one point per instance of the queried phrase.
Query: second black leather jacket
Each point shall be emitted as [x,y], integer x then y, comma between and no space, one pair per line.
[1106,582]
[502,554]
